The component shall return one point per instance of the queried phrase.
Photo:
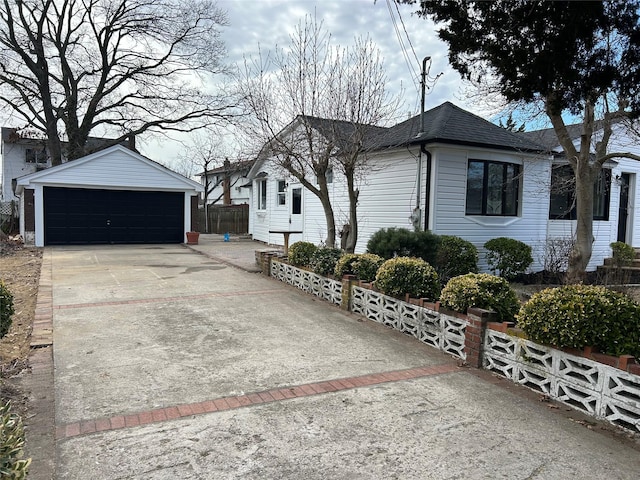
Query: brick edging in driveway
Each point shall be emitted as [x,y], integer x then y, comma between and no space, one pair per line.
[40,425]
[118,422]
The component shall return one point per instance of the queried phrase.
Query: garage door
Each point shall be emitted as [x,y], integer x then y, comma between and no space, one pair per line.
[84,216]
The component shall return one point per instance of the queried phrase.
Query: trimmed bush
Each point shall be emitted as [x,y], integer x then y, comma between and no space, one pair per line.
[300,253]
[481,290]
[508,256]
[6,309]
[400,242]
[455,256]
[323,261]
[346,265]
[401,275]
[12,466]
[623,254]
[367,266]
[577,316]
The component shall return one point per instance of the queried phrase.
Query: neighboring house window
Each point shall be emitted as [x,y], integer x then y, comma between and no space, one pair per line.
[282,192]
[563,205]
[492,188]
[262,194]
[33,155]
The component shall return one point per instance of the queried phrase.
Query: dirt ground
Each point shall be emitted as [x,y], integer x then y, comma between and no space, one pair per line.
[20,272]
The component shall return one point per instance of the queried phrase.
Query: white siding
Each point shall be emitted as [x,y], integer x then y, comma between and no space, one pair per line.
[14,165]
[450,170]
[117,168]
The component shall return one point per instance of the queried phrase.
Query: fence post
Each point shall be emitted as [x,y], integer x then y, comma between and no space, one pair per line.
[474,335]
[347,286]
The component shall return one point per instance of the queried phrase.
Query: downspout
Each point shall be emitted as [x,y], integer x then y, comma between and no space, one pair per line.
[427,187]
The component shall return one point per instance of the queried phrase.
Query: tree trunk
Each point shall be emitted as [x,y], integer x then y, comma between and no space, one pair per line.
[352,236]
[330,219]
[583,247]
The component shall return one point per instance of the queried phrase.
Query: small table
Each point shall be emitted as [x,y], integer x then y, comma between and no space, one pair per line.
[286,234]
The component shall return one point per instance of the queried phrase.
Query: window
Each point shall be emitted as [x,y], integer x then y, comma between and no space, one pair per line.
[493,188]
[262,194]
[282,193]
[33,155]
[563,186]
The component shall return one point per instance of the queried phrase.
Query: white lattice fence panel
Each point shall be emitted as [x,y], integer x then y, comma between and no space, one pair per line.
[410,320]
[621,399]
[535,367]
[390,313]
[452,340]
[500,354]
[332,291]
[580,371]
[359,300]
[431,332]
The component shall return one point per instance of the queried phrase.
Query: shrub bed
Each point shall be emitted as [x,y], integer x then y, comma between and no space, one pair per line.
[455,256]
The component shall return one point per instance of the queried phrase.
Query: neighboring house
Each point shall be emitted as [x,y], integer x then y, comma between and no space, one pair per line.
[228,184]
[25,151]
[475,180]
[112,196]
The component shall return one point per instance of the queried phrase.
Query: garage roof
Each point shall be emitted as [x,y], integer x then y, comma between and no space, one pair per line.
[116,167]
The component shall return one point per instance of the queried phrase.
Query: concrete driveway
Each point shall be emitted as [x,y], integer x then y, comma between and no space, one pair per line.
[170,364]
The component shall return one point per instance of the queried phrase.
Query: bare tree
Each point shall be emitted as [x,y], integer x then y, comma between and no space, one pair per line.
[314,105]
[123,67]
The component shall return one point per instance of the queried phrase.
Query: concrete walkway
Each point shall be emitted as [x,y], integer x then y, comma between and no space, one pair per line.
[171,363]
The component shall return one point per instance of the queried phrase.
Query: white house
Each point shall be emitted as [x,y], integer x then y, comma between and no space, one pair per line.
[112,196]
[458,174]
[228,184]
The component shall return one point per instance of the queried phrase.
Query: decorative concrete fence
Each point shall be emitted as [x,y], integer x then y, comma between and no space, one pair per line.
[592,387]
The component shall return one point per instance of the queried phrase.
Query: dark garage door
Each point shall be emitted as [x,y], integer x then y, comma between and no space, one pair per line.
[81,216]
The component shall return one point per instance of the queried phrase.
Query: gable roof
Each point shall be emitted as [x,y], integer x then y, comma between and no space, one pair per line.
[240,166]
[92,169]
[448,123]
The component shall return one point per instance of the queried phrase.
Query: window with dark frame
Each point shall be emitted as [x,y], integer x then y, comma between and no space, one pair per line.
[563,194]
[282,193]
[34,155]
[493,188]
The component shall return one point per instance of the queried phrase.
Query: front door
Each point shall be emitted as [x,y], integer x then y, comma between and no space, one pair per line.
[623,212]
[295,212]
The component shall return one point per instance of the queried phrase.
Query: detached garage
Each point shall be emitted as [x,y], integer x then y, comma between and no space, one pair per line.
[111,196]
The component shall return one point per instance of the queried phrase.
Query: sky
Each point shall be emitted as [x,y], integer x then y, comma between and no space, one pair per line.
[263,24]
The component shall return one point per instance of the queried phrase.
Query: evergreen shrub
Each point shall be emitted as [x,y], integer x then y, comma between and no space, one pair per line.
[400,242]
[577,316]
[401,275]
[455,256]
[300,253]
[367,266]
[481,290]
[6,309]
[324,259]
[346,265]
[508,256]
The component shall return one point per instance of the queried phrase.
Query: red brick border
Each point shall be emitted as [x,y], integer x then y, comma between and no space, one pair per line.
[118,422]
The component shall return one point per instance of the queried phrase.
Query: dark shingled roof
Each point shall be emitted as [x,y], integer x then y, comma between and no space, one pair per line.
[448,123]
[344,132]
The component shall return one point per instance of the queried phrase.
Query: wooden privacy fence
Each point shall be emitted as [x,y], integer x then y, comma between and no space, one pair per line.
[227,219]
